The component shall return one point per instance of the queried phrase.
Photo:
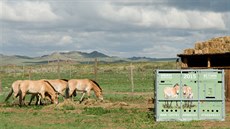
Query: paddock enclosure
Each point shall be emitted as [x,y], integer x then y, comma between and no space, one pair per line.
[124,106]
[200,95]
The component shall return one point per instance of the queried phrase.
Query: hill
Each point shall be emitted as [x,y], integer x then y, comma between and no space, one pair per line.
[72,56]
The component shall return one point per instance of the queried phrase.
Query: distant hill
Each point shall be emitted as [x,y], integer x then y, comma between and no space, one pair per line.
[73,56]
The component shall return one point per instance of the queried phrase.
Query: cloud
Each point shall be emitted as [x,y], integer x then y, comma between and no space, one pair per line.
[165,17]
[124,28]
[161,51]
[26,11]
[65,40]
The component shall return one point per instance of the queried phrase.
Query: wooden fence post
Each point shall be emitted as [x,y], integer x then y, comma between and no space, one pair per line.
[131,76]
[95,69]
[58,69]
[0,86]
[14,67]
[70,70]
[23,68]
[30,70]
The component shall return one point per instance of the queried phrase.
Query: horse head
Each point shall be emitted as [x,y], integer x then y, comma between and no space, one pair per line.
[99,95]
[97,89]
[53,93]
[177,88]
[55,98]
[184,89]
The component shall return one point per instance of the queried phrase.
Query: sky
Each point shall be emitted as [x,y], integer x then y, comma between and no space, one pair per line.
[123,28]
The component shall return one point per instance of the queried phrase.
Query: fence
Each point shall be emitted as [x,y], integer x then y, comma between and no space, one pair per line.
[121,77]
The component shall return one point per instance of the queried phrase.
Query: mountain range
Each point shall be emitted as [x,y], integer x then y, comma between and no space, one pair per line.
[72,56]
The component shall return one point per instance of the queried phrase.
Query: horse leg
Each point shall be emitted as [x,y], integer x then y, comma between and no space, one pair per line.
[31,99]
[22,98]
[40,97]
[38,100]
[82,96]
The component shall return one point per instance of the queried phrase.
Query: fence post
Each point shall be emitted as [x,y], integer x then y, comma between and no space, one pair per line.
[23,68]
[58,69]
[30,70]
[0,86]
[14,70]
[131,76]
[70,70]
[95,69]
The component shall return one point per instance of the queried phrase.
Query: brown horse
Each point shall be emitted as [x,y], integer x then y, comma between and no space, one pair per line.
[14,89]
[171,93]
[83,85]
[37,87]
[187,94]
[58,84]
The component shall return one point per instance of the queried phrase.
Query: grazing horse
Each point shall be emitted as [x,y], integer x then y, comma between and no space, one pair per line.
[171,93]
[58,84]
[14,89]
[187,94]
[38,87]
[83,85]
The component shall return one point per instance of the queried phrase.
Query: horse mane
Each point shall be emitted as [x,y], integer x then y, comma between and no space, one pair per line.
[176,85]
[66,80]
[96,84]
[50,85]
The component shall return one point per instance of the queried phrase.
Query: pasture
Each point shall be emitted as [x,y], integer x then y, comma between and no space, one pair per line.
[121,107]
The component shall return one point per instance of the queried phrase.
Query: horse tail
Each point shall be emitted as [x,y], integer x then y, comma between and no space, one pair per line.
[10,93]
[20,97]
[67,91]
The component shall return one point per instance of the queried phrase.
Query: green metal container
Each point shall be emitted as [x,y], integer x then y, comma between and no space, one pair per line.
[183,95]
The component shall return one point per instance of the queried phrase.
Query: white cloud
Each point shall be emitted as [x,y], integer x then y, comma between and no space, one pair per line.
[38,39]
[27,11]
[65,40]
[161,51]
[165,17]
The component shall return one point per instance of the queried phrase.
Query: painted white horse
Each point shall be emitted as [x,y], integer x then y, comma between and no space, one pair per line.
[171,93]
[187,94]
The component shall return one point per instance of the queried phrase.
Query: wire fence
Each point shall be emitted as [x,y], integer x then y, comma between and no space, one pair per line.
[113,77]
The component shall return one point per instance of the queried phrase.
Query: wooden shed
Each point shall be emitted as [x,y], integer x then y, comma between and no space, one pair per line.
[209,61]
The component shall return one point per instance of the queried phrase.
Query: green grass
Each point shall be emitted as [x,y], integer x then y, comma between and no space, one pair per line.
[115,81]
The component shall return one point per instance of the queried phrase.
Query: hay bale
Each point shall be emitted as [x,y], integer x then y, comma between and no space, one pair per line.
[198,51]
[206,45]
[205,50]
[214,50]
[198,45]
[189,51]
[227,47]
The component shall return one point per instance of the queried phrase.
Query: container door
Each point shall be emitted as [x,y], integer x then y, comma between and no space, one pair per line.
[189,95]
[211,95]
[168,95]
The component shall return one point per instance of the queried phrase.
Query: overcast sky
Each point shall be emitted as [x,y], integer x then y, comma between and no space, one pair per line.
[125,28]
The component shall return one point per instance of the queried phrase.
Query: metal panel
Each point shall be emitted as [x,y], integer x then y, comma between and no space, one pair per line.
[189,95]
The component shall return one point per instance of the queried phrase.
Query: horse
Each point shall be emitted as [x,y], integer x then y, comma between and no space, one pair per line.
[171,93]
[37,87]
[59,85]
[14,89]
[84,86]
[187,94]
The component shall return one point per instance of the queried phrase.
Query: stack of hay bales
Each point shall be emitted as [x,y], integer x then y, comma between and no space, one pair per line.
[215,45]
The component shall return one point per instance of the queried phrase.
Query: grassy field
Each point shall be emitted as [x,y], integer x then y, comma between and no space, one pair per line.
[121,109]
